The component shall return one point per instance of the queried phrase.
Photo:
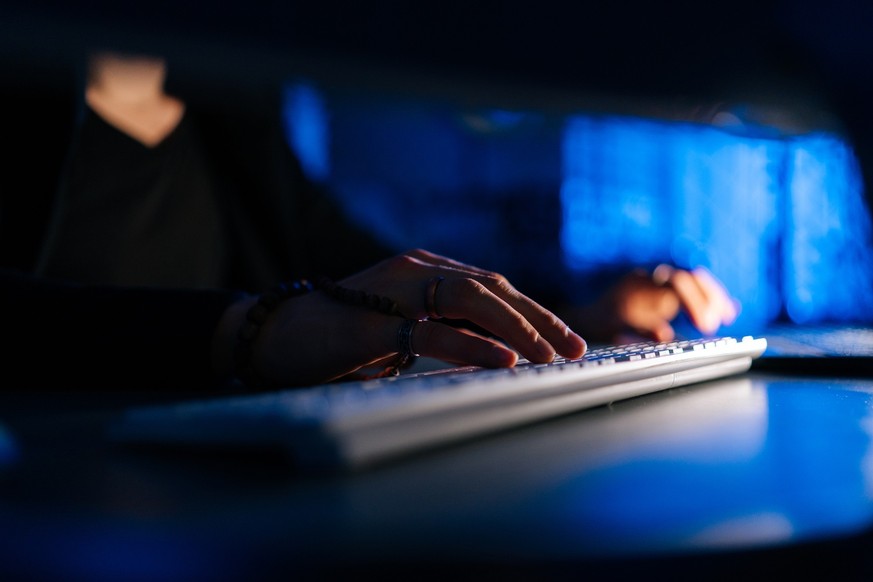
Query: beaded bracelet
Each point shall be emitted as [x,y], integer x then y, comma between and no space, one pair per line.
[381,304]
[256,316]
[358,297]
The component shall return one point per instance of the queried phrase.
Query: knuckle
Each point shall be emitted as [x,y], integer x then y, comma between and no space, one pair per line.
[500,284]
[529,330]
[495,279]
[504,286]
[471,286]
[479,290]
[468,293]
[554,321]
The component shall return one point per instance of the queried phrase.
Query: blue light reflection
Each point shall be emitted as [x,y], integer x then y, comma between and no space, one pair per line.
[733,465]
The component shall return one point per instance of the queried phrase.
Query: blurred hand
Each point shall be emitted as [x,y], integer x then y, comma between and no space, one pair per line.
[314,338]
[648,304]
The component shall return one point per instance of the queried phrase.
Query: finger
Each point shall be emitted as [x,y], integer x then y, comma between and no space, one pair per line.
[521,324]
[655,329]
[449,344]
[695,301]
[651,311]
[556,332]
[405,280]
[722,302]
[662,331]
[467,298]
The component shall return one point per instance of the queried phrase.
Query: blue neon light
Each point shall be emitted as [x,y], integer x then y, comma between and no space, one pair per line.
[781,222]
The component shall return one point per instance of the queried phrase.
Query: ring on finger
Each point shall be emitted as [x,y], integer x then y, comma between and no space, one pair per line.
[404,339]
[430,297]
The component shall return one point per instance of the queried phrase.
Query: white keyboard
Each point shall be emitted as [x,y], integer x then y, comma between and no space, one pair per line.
[356,423]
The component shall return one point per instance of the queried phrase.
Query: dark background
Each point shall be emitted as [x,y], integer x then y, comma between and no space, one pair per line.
[620,55]
[799,66]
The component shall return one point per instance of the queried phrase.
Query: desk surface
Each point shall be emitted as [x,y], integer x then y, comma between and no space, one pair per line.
[749,470]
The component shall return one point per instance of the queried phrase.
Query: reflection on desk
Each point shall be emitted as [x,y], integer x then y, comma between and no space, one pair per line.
[756,469]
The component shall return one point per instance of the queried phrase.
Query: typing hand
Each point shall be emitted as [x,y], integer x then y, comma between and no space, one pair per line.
[649,303]
[320,336]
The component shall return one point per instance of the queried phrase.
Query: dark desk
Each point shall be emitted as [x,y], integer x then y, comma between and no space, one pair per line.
[754,474]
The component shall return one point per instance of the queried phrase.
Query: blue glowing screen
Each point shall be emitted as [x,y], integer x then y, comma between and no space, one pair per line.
[781,220]
[827,233]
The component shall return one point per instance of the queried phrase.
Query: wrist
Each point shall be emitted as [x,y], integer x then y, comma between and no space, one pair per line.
[258,312]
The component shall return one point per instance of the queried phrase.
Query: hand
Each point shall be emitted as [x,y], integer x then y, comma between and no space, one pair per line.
[315,338]
[648,303]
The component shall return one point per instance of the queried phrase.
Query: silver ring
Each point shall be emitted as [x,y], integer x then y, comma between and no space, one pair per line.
[430,297]
[404,339]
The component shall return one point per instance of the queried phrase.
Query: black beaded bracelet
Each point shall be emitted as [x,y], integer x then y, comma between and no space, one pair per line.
[358,297]
[256,316]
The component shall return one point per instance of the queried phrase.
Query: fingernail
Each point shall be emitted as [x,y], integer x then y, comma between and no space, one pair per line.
[577,341]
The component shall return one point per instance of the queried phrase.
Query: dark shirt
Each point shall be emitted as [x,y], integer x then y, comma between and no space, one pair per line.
[244,216]
[222,202]
[129,214]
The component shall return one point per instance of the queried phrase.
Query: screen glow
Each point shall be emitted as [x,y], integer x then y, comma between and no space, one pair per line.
[780,221]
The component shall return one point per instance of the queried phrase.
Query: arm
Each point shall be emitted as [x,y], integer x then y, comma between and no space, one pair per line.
[314,338]
[69,336]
